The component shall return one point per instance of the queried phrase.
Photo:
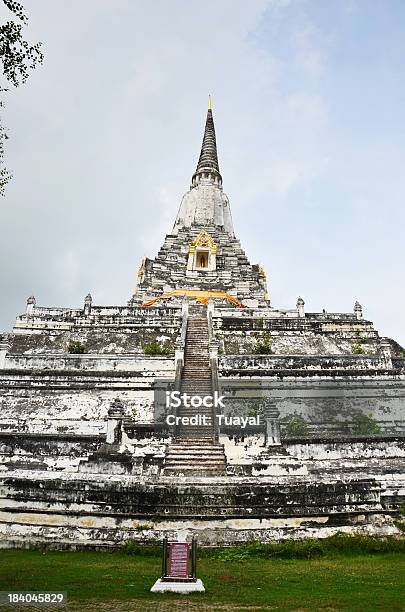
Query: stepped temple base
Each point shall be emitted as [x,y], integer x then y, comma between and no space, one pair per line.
[82,510]
[87,459]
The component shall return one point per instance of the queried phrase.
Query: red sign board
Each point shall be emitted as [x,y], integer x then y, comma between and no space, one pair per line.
[178,559]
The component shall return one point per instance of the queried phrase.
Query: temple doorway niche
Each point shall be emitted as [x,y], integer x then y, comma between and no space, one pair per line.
[202,259]
[202,253]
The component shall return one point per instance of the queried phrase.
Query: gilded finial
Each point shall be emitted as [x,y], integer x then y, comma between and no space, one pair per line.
[209,103]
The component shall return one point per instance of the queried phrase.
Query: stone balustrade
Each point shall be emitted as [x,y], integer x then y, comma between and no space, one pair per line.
[334,363]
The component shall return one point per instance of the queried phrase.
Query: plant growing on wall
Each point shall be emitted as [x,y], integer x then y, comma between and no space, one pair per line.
[357,349]
[76,347]
[255,408]
[365,425]
[258,323]
[154,348]
[297,426]
[263,346]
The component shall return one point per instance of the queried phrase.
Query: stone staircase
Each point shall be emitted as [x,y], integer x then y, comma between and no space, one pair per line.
[195,457]
[196,375]
[195,451]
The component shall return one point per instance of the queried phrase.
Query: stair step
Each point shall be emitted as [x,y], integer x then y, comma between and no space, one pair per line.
[193,472]
[195,454]
[196,373]
[202,370]
[192,434]
[206,444]
[202,373]
[197,381]
[194,430]
[196,443]
[194,457]
[192,412]
[195,464]
[200,428]
[196,409]
[193,461]
[208,452]
[202,441]
[198,392]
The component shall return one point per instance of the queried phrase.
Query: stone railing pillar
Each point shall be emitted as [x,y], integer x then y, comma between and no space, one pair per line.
[213,346]
[210,307]
[4,349]
[385,348]
[180,345]
[178,353]
[273,432]
[114,422]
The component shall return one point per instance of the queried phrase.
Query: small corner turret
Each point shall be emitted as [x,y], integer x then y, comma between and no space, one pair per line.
[358,310]
[31,302]
[300,307]
[88,300]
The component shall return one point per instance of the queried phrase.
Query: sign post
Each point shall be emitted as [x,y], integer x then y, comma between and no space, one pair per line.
[179,568]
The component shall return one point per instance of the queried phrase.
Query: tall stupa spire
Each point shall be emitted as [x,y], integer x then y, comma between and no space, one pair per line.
[206,205]
[208,167]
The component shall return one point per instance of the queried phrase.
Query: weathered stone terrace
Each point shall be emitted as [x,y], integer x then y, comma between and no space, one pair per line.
[268,319]
[102,331]
[97,364]
[40,318]
[262,365]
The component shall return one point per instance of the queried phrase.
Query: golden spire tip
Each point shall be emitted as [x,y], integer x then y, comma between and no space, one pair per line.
[209,103]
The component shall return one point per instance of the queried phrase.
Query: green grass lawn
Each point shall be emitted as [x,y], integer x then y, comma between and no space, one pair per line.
[342,582]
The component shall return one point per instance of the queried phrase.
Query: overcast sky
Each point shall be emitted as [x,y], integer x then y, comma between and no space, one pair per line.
[309,108]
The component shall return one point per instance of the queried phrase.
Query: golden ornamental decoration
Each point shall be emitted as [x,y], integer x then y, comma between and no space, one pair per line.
[201,297]
[262,271]
[263,274]
[203,240]
[141,270]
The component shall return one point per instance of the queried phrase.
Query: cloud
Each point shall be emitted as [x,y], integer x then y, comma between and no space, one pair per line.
[105,136]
